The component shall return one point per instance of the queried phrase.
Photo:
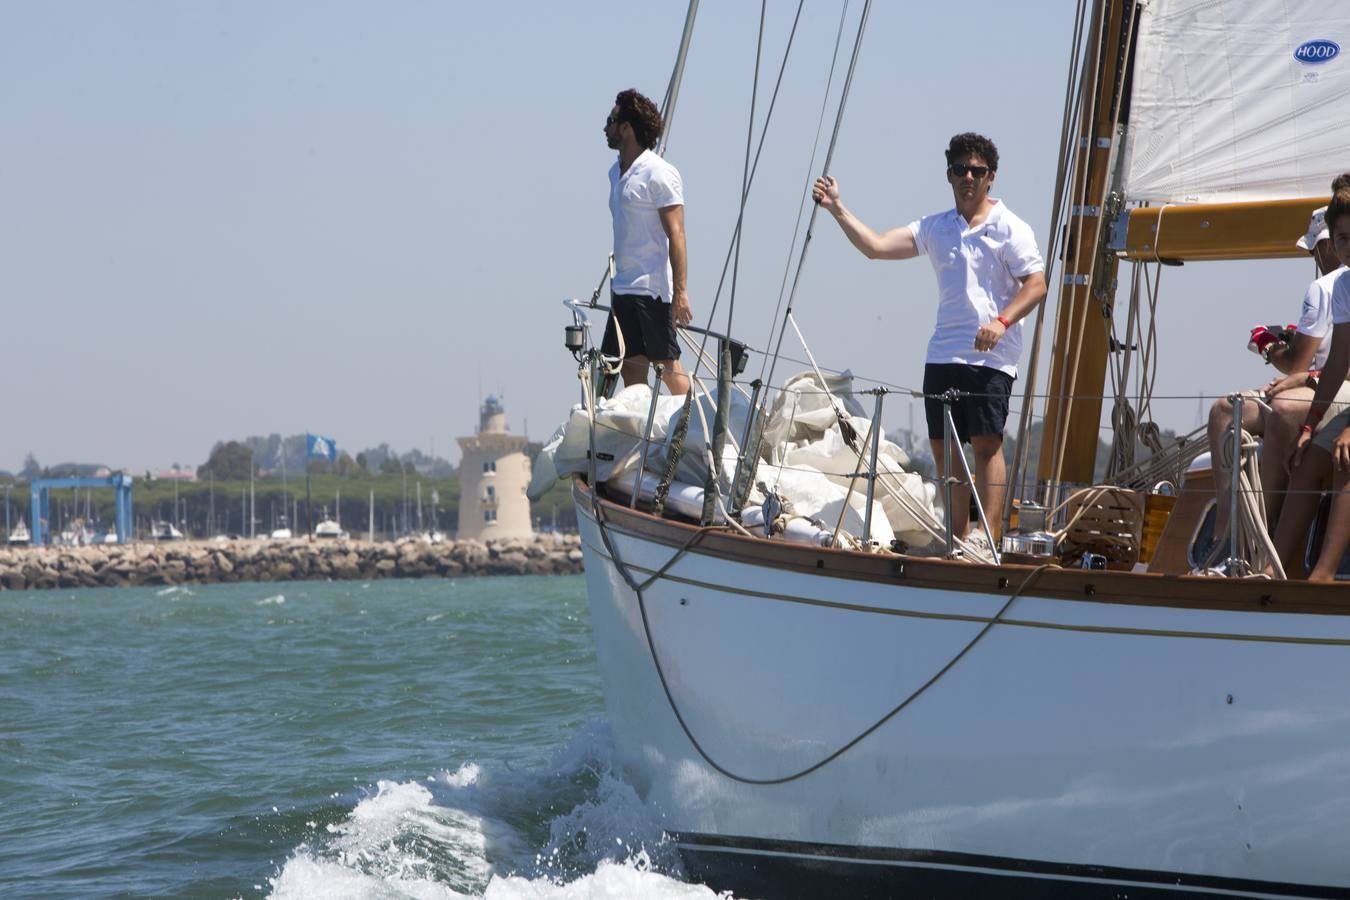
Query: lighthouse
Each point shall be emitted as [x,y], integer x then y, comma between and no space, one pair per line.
[493,475]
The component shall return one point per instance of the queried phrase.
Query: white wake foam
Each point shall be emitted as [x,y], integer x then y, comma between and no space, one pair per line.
[477,832]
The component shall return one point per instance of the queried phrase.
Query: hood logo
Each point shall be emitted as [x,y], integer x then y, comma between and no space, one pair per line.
[1318,51]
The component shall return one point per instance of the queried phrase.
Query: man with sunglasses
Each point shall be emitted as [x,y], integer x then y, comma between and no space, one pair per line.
[990,276]
[646,200]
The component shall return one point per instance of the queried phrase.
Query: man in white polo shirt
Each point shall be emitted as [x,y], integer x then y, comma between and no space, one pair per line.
[646,200]
[990,275]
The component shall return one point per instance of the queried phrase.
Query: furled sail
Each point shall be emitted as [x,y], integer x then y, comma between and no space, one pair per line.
[1238,100]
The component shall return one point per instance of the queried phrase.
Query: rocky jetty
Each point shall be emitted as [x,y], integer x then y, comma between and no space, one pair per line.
[204,562]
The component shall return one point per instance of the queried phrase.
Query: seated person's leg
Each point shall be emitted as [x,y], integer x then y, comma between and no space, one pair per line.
[1337,537]
[1288,411]
[1305,487]
[1300,504]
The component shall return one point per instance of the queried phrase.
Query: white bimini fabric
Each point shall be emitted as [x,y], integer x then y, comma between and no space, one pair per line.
[1238,100]
[1315,318]
[641,248]
[979,270]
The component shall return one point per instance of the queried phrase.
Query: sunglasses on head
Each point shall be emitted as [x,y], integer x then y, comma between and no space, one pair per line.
[959,171]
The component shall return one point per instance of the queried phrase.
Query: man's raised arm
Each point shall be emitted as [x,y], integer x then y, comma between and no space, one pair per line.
[898,243]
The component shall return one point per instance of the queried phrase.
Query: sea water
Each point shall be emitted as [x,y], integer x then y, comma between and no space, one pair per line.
[429,739]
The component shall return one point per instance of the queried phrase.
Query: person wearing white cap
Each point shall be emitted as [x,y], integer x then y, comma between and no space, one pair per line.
[1322,447]
[1300,359]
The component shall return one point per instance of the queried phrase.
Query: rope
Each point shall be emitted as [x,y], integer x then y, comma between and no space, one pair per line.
[829,157]
[1255,544]
[1064,164]
[806,187]
[748,181]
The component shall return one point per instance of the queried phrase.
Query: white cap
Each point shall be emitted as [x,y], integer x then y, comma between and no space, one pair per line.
[1317,229]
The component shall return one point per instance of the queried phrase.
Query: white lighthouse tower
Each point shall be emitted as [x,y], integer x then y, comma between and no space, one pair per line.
[493,476]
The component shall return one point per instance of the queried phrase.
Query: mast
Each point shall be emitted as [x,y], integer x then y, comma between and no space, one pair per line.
[1226,161]
[676,77]
[1073,407]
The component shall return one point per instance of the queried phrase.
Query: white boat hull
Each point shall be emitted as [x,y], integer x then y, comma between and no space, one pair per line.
[1077,747]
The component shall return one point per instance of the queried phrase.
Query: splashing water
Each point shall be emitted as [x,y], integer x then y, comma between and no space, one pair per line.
[478,832]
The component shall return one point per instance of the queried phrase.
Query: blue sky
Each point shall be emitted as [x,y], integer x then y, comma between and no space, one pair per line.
[229,218]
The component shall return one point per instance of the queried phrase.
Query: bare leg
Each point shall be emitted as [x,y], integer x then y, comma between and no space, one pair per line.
[991,478]
[960,493]
[1337,538]
[1300,505]
[1282,427]
[1220,440]
[635,370]
[673,375]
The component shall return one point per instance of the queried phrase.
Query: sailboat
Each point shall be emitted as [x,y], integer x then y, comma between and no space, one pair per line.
[20,534]
[839,711]
[283,530]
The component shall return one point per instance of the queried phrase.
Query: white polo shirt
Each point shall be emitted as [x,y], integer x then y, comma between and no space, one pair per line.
[1314,319]
[641,248]
[978,273]
[1340,298]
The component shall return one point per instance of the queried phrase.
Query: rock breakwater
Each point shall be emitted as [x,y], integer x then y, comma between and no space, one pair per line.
[205,562]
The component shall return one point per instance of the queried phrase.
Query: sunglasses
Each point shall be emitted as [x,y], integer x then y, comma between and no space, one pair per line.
[611,120]
[959,171]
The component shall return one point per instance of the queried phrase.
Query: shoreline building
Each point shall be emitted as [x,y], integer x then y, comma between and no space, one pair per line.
[493,475]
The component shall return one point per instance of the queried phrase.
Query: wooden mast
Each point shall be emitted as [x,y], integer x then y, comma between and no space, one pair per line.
[1087,293]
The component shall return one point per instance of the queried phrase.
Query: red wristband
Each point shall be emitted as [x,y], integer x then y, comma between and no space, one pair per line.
[1003,321]
[1306,429]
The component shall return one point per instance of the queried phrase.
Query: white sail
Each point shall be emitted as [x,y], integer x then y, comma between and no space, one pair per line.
[1238,100]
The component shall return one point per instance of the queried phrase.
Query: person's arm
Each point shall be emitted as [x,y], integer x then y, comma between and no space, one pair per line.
[1297,356]
[898,243]
[1028,296]
[672,220]
[1333,374]
[1290,382]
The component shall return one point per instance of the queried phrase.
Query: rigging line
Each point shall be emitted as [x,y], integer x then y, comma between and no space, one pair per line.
[1117,95]
[745,171]
[676,77]
[734,245]
[1023,455]
[825,169]
[1086,127]
[806,185]
[1083,132]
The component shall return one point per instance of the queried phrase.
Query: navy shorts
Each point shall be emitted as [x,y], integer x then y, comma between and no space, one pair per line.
[647,328]
[983,412]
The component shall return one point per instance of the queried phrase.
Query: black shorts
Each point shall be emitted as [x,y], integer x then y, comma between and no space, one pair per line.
[983,412]
[647,328]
